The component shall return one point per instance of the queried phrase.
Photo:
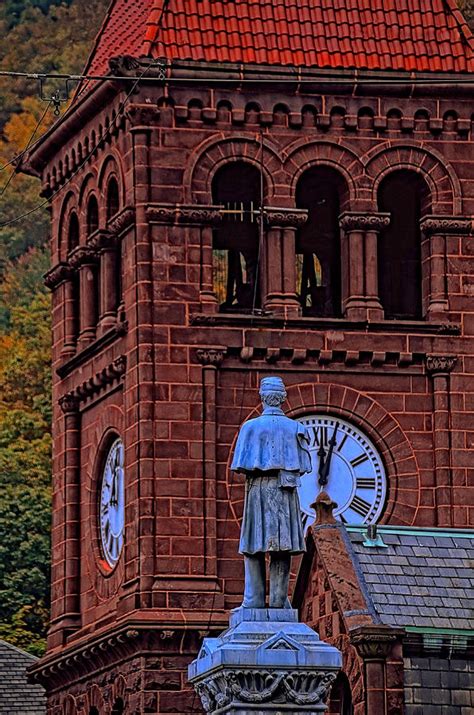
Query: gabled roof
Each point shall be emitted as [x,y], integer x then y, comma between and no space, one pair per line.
[403,35]
[421,578]
[16,694]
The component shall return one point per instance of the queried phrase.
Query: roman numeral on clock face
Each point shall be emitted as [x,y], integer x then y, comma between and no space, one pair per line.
[360,506]
[359,460]
[365,482]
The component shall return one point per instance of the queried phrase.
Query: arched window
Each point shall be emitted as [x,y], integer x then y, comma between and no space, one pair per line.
[92,215]
[236,277]
[404,194]
[322,191]
[93,711]
[73,231]
[113,198]
[118,707]
[340,702]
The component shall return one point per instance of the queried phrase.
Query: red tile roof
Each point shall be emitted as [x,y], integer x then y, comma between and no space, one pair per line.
[411,35]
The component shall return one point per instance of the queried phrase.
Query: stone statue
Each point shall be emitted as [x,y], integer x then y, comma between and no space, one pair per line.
[272,452]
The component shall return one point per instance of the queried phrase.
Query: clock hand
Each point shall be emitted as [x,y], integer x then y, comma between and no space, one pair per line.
[322,457]
[323,476]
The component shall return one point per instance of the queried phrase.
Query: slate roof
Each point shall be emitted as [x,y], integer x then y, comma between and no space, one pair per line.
[424,578]
[409,35]
[17,696]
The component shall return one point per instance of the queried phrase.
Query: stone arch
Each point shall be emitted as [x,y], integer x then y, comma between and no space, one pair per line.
[69,204]
[403,497]
[303,154]
[443,183]
[69,706]
[95,699]
[211,154]
[119,688]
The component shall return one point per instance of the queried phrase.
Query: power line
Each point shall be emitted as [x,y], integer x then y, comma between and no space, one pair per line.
[22,154]
[335,77]
[86,159]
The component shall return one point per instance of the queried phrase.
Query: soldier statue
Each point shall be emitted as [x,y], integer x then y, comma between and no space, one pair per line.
[272,452]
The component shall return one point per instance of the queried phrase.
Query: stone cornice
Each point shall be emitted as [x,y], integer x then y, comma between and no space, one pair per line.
[184,214]
[95,384]
[446,224]
[121,221]
[440,364]
[83,256]
[360,221]
[57,274]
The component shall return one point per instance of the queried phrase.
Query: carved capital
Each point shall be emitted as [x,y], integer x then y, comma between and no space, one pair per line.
[102,240]
[359,221]
[57,274]
[375,642]
[438,364]
[69,403]
[210,356]
[83,256]
[121,221]
[282,217]
[445,224]
[191,214]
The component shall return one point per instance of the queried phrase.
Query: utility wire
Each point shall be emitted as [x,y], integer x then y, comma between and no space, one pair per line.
[3,224]
[22,154]
[335,77]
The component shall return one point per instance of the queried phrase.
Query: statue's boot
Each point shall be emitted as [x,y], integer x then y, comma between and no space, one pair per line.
[280,563]
[254,591]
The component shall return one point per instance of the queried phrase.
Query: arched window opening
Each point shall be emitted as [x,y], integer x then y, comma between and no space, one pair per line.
[73,231]
[92,215]
[113,198]
[252,113]
[405,195]
[236,277]
[340,702]
[118,707]
[93,711]
[322,191]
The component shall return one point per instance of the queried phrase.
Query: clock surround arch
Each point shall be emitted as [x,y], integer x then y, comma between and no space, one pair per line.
[388,437]
[105,581]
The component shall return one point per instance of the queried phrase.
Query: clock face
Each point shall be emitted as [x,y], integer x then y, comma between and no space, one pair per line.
[347,466]
[112,504]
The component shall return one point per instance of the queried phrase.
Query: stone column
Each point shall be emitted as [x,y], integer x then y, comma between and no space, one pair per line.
[105,244]
[210,359]
[360,297]
[280,259]
[84,259]
[374,644]
[70,615]
[439,368]
[435,230]
[61,278]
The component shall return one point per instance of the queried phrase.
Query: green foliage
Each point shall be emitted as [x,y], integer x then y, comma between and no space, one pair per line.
[43,35]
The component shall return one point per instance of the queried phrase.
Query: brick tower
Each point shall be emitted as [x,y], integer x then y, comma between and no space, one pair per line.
[255,188]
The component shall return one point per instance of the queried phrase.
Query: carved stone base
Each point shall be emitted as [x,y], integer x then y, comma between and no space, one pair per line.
[266,662]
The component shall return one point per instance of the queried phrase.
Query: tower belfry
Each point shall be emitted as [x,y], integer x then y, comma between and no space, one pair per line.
[254,189]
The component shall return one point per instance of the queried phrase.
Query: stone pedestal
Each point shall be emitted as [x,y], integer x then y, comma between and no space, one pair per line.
[266,662]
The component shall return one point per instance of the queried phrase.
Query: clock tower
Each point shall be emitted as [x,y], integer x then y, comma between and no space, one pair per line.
[254,188]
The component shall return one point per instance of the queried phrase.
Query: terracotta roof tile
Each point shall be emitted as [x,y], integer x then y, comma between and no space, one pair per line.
[410,35]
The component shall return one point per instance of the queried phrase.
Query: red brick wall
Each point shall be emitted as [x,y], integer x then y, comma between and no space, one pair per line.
[183,506]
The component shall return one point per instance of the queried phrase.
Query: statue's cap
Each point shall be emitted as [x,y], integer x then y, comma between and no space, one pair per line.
[272,384]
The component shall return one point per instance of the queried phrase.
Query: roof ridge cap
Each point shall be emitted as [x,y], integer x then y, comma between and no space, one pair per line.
[19,650]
